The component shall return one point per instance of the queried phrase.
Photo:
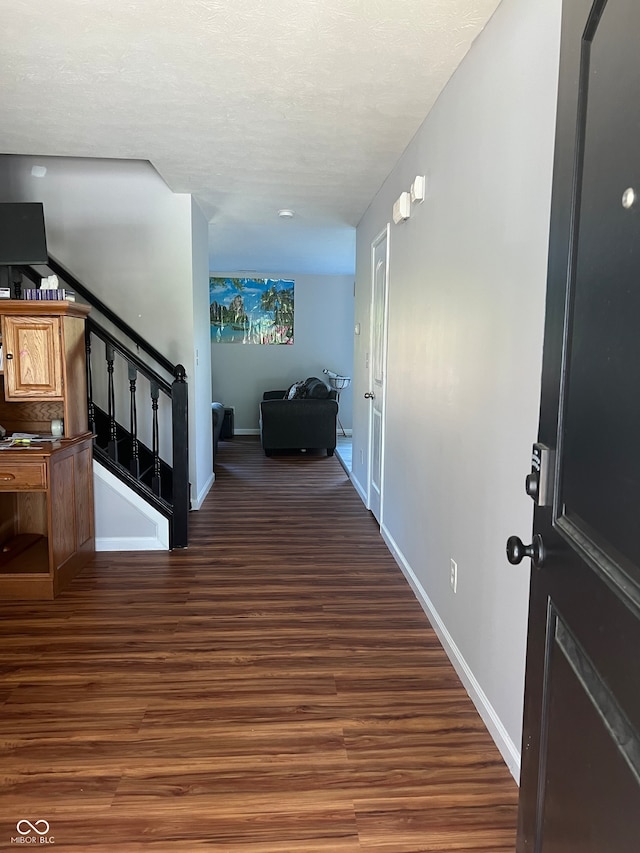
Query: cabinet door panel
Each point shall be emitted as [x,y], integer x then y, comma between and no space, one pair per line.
[33,360]
[63,504]
[84,496]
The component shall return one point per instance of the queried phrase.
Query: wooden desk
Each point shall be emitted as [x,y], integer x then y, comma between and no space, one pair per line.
[46,516]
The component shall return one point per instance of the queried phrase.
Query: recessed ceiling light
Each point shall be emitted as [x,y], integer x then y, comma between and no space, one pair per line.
[285,213]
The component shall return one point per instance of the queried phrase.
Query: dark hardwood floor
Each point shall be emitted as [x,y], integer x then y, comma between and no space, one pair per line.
[274,688]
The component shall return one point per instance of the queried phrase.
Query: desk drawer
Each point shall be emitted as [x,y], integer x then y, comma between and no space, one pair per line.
[22,476]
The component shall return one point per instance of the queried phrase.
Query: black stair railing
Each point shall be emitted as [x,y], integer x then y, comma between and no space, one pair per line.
[151,453]
[139,462]
[84,293]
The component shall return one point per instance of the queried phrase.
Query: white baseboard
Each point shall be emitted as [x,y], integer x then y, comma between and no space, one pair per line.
[356,485]
[256,431]
[508,749]
[122,543]
[197,503]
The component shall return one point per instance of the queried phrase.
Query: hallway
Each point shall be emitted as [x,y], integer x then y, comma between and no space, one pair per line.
[274,688]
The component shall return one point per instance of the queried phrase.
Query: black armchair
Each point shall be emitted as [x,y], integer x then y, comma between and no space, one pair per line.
[304,423]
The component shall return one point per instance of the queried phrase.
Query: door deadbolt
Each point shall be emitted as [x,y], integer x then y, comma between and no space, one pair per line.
[539,483]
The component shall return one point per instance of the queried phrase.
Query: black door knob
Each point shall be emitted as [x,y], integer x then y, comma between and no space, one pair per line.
[517,551]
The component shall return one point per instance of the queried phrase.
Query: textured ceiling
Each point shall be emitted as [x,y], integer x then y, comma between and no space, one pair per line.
[251,105]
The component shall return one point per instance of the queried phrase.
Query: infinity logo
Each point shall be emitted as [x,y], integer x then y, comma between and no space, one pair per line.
[32,827]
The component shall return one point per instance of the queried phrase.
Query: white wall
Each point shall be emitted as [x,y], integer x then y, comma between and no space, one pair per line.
[124,521]
[323,337]
[466,309]
[201,447]
[138,246]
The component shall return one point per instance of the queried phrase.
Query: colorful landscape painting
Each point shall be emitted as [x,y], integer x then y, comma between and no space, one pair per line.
[251,310]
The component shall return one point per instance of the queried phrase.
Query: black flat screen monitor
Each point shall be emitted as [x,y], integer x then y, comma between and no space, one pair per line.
[22,236]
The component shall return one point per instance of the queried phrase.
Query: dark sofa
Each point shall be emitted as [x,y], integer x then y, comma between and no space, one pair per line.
[306,422]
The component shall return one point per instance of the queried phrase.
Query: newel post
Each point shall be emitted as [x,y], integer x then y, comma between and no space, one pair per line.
[180,421]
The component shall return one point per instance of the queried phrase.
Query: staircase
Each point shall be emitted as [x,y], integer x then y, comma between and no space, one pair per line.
[138,407]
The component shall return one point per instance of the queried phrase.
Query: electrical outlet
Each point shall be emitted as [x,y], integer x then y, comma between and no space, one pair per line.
[453,575]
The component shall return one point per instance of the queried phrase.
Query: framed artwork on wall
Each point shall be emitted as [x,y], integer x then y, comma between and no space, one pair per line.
[251,310]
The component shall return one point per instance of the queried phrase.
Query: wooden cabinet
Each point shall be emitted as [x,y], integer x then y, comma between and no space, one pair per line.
[33,359]
[44,363]
[46,517]
[46,490]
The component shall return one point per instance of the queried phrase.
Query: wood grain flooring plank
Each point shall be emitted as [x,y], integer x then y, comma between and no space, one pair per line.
[273,688]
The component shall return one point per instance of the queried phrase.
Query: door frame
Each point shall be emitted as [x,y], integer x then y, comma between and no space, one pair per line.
[383,236]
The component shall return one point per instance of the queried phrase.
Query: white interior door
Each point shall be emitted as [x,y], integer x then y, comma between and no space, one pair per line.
[376,393]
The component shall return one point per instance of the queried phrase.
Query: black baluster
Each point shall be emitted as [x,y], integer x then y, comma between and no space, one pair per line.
[180,475]
[134,462]
[112,446]
[91,405]
[155,479]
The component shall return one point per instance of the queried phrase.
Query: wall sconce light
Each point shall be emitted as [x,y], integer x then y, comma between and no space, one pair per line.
[402,208]
[418,189]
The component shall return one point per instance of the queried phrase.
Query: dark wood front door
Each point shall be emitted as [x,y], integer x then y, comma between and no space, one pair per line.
[580,784]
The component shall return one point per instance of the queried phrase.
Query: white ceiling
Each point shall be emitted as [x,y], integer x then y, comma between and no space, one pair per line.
[251,105]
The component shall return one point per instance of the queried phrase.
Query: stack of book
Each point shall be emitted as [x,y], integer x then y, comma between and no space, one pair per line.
[36,293]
